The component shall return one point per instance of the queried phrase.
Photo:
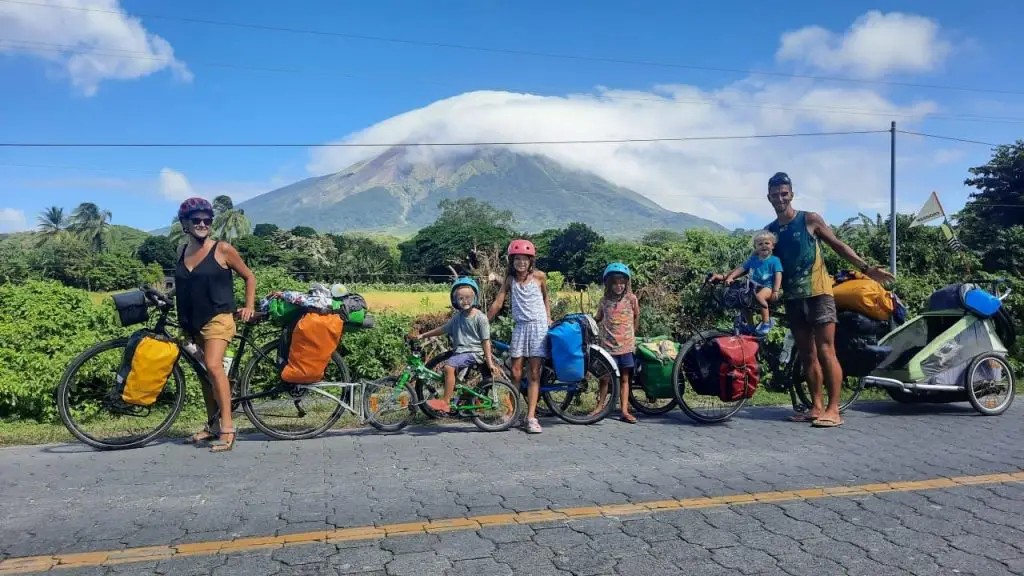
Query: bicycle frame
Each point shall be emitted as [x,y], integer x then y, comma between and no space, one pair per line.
[416,369]
[245,340]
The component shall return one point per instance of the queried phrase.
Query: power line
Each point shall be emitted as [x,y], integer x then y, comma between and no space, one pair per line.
[416,144]
[516,52]
[711,101]
[939,137]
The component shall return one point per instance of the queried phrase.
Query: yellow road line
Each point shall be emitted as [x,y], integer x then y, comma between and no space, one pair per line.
[149,553]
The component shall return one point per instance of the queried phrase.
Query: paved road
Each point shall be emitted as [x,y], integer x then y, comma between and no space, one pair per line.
[68,499]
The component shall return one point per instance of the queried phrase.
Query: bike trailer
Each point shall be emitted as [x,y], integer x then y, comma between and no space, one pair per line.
[965,297]
[655,360]
[146,365]
[569,342]
[307,346]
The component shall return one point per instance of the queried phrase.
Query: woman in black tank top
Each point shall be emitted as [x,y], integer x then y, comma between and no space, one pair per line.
[206,303]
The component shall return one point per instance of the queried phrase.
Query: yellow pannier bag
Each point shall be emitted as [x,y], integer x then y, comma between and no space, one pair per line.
[147,364]
[858,293]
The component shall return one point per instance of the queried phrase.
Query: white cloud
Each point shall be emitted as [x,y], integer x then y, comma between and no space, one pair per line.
[723,180]
[174,184]
[875,45]
[92,40]
[12,220]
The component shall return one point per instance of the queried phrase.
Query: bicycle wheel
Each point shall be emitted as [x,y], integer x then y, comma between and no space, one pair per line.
[388,407]
[286,412]
[851,390]
[705,409]
[579,403]
[651,406]
[428,389]
[504,408]
[96,417]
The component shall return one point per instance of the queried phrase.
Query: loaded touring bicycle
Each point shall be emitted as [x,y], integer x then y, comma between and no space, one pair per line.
[954,351]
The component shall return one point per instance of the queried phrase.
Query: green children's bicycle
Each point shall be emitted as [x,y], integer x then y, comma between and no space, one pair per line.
[390,403]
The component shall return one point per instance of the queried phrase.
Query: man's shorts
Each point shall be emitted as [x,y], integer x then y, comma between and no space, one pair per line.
[463,360]
[810,312]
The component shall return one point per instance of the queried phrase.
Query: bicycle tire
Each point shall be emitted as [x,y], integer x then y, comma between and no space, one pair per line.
[561,409]
[679,380]
[367,405]
[794,373]
[484,389]
[647,408]
[63,390]
[243,386]
[425,390]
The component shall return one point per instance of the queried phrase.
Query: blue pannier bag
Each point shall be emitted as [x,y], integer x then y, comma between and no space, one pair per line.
[966,297]
[568,342]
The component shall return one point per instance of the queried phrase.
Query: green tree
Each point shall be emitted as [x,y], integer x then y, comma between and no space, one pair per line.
[303,232]
[265,230]
[159,250]
[663,238]
[361,258]
[14,263]
[997,206]
[258,251]
[571,247]
[51,222]
[465,227]
[92,225]
[229,222]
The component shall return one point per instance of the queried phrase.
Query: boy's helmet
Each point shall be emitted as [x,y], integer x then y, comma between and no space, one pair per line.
[616,268]
[465,281]
[779,179]
[193,205]
[524,247]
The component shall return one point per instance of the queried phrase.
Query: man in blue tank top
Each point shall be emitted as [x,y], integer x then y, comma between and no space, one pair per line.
[807,291]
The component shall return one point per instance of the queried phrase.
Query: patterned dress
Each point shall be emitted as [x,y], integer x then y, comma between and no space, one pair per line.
[617,330]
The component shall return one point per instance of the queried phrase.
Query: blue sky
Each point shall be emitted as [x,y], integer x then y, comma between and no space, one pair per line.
[132,77]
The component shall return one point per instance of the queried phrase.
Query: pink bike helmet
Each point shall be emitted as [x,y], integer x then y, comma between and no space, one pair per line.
[524,247]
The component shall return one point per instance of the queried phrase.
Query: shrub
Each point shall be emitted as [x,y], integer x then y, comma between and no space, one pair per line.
[43,326]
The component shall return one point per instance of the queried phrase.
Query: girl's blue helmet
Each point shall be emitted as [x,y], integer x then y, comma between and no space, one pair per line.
[465,281]
[616,268]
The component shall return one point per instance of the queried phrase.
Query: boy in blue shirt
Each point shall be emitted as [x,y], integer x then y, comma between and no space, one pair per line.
[765,272]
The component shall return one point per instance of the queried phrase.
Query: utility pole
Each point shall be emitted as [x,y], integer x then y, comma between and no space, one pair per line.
[892,198]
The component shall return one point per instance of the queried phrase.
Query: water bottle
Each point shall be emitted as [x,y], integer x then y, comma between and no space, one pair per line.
[228,359]
[787,348]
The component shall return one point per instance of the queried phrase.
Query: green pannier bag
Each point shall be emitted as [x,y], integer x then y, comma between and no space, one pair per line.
[655,360]
[283,312]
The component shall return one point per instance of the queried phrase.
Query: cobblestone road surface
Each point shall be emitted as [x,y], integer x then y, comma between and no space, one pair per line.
[69,499]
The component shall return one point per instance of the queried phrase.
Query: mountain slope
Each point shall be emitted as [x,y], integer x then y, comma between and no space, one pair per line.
[389,193]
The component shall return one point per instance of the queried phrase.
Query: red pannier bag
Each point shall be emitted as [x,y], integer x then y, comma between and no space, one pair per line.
[739,372]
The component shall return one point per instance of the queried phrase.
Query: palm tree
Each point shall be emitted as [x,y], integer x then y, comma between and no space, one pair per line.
[91,224]
[176,234]
[229,222]
[51,223]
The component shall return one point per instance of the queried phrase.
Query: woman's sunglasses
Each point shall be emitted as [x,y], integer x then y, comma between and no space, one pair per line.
[203,221]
